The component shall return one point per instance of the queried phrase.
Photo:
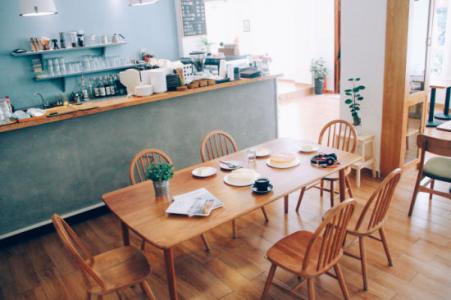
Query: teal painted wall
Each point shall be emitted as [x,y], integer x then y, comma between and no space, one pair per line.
[152,27]
[68,165]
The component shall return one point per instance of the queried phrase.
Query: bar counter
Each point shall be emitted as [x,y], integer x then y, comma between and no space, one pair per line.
[97,106]
[63,164]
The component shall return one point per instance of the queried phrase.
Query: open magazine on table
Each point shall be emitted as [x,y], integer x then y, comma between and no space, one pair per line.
[198,203]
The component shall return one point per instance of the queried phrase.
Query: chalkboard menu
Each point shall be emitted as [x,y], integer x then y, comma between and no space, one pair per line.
[193,17]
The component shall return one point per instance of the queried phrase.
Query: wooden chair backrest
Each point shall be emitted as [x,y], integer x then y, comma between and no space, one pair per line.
[339,134]
[434,145]
[77,249]
[217,144]
[376,208]
[138,166]
[330,235]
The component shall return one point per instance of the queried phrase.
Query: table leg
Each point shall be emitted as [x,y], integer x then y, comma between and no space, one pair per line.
[170,272]
[431,122]
[342,184]
[445,115]
[285,204]
[125,234]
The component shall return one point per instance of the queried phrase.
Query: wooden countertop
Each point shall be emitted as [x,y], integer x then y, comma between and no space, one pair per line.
[97,106]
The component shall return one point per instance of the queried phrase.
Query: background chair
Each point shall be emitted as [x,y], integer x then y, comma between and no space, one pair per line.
[435,168]
[341,135]
[107,272]
[138,170]
[217,144]
[311,254]
[372,218]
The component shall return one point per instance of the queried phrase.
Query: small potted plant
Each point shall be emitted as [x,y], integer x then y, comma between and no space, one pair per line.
[319,72]
[353,98]
[160,174]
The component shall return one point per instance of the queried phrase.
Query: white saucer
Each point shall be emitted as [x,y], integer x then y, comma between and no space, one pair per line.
[263,152]
[291,164]
[204,172]
[228,179]
[227,168]
[308,148]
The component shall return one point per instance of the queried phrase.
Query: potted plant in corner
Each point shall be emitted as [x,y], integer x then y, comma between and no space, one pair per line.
[160,173]
[319,72]
[353,99]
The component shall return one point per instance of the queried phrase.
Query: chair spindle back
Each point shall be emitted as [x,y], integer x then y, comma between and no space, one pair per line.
[339,134]
[376,208]
[330,236]
[144,158]
[217,144]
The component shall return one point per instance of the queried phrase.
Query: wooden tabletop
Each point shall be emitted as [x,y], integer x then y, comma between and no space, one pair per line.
[98,106]
[137,207]
[445,126]
[440,84]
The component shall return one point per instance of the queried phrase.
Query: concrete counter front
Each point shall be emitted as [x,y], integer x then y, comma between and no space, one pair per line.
[64,164]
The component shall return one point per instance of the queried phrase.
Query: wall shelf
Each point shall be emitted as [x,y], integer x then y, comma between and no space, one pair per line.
[47,77]
[66,50]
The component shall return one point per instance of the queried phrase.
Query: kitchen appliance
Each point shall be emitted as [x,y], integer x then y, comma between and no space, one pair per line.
[130,79]
[250,73]
[172,82]
[198,58]
[216,66]
[158,80]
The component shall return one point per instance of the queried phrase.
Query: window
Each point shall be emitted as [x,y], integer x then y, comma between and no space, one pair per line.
[439,42]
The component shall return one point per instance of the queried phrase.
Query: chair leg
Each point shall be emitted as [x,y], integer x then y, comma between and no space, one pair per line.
[363,263]
[348,186]
[143,245]
[415,193]
[301,195]
[265,215]
[88,296]
[341,281]
[147,290]
[321,188]
[311,289]
[385,244]
[269,279]
[432,187]
[234,230]
[332,193]
[205,241]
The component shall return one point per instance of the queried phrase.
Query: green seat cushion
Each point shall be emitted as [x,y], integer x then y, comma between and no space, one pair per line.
[438,168]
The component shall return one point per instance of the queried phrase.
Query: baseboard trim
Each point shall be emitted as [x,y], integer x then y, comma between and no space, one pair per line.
[45,226]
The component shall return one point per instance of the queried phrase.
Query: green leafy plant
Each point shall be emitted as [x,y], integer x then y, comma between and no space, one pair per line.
[353,98]
[318,68]
[160,172]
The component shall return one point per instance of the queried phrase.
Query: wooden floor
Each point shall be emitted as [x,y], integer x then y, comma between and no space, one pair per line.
[236,269]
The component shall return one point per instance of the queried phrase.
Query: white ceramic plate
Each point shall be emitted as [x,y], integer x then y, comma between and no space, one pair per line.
[204,172]
[251,176]
[291,164]
[263,152]
[308,148]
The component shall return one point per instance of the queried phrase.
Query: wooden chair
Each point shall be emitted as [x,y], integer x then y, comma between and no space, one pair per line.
[107,272]
[138,170]
[311,254]
[217,144]
[435,168]
[341,135]
[372,219]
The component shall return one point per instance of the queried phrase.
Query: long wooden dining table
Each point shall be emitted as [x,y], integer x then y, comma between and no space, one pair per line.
[139,210]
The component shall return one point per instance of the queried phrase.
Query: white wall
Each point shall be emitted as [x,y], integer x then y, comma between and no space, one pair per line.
[363,55]
[292,32]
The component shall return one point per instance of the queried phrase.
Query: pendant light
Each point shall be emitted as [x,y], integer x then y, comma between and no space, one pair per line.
[141,2]
[30,8]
